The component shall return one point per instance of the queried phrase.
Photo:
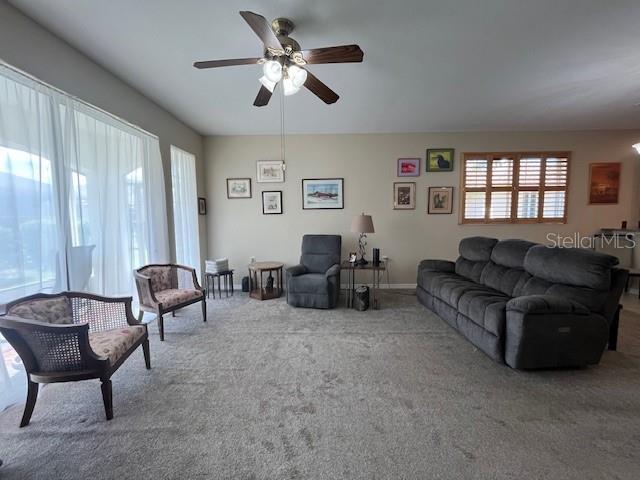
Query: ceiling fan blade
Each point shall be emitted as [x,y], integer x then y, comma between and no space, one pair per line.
[319,89]
[340,54]
[226,63]
[262,28]
[263,97]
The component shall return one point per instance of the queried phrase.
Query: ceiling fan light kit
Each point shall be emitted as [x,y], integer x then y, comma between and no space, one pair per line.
[284,61]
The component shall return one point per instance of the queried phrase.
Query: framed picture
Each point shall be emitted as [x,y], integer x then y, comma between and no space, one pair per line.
[604,183]
[322,193]
[404,196]
[238,188]
[270,171]
[440,200]
[272,203]
[202,206]
[440,160]
[408,167]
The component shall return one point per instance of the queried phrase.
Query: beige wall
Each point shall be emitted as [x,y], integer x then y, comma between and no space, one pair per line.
[237,229]
[29,47]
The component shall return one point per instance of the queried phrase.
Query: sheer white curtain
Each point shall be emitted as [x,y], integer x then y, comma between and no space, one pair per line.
[185,207]
[82,201]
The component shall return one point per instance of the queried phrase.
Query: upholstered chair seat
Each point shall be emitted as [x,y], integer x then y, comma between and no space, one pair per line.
[113,344]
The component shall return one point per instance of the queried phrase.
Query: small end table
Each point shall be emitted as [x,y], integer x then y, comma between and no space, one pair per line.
[210,283]
[351,269]
[273,287]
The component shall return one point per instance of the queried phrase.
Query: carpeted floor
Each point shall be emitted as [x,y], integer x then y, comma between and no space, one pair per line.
[265,391]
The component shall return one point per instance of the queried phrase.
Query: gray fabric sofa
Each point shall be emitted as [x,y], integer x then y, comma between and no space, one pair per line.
[527,305]
[315,282]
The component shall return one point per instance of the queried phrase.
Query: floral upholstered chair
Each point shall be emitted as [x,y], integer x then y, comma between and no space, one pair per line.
[164,288]
[72,336]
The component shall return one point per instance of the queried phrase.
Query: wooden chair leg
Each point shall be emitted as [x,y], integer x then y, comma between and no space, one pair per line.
[147,355]
[107,398]
[173,314]
[613,330]
[204,310]
[161,326]
[140,315]
[32,396]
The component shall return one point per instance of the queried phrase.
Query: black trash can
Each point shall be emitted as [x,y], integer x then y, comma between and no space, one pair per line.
[361,298]
[245,284]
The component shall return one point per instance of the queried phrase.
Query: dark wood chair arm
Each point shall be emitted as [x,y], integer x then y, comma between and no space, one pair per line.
[146,295]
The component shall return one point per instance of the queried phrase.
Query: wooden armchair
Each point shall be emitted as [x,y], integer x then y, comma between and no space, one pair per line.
[72,336]
[164,288]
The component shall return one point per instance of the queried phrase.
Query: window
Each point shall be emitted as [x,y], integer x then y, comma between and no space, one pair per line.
[185,207]
[514,187]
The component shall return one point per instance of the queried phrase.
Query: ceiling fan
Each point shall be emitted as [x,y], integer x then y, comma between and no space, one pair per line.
[285,62]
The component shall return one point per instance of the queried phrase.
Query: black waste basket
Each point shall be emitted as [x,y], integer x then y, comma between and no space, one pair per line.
[245,284]
[361,299]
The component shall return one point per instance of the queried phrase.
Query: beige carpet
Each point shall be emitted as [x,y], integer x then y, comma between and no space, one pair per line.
[265,391]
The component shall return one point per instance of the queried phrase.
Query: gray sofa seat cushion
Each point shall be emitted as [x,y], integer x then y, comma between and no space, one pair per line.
[316,283]
[449,287]
[487,309]
[570,266]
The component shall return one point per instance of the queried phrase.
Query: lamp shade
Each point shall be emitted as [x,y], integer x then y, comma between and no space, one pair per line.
[362,224]
[637,147]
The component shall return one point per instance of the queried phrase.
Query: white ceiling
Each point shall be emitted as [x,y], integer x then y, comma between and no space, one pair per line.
[429,65]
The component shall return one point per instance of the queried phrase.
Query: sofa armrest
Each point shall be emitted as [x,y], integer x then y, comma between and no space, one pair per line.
[333,271]
[437,266]
[296,270]
[545,305]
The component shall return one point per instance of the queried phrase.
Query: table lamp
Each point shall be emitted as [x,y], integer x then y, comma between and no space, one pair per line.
[362,224]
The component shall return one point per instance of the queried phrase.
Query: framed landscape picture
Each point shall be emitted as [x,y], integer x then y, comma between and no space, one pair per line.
[408,167]
[238,188]
[440,200]
[270,171]
[604,183]
[404,196]
[440,160]
[322,193]
[272,203]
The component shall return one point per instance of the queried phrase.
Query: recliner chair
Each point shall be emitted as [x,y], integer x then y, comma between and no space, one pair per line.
[315,282]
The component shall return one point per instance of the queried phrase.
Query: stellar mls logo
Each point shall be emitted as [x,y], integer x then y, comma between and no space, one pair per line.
[556,240]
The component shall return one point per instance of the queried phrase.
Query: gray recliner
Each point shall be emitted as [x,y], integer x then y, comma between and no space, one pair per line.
[315,282]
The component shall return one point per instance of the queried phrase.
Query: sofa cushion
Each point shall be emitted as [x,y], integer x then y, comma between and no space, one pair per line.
[176,296]
[112,344]
[55,310]
[511,253]
[309,283]
[470,269]
[486,309]
[477,249]
[570,266]
[509,281]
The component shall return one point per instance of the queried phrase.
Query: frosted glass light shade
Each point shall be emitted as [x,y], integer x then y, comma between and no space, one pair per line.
[289,87]
[637,147]
[272,70]
[268,84]
[297,75]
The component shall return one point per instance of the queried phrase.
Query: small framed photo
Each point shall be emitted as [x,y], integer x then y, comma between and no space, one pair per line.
[353,257]
[322,193]
[272,203]
[404,196]
[440,200]
[202,206]
[270,171]
[238,188]
[408,167]
[604,183]
[440,160]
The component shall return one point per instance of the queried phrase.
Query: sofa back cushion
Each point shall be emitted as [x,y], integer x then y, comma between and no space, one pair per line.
[320,252]
[54,310]
[505,271]
[571,266]
[475,252]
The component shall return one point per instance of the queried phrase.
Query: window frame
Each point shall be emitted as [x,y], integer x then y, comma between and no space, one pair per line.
[541,188]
